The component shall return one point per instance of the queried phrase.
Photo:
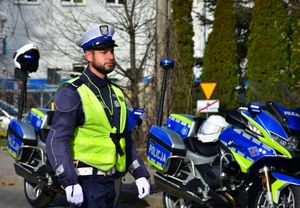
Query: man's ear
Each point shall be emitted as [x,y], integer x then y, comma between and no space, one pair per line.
[88,55]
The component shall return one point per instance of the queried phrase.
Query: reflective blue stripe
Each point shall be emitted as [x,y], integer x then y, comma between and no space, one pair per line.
[95,40]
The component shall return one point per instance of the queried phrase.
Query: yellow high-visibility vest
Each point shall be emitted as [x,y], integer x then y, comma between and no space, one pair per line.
[92,143]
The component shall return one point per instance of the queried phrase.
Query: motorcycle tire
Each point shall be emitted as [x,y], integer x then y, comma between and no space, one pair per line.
[289,198]
[174,202]
[36,195]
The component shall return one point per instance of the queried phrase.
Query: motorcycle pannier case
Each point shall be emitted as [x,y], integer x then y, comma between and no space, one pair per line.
[40,118]
[163,143]
[20,133]
[184,125]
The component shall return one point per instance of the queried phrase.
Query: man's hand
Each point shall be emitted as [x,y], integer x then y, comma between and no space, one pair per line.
[74,194]
[143,187]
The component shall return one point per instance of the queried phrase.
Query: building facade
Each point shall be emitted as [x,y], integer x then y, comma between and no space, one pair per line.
[55,26]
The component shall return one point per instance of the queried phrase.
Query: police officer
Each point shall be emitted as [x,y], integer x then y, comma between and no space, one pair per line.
[88,146]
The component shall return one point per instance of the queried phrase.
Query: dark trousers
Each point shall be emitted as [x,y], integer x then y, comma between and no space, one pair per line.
[99,191]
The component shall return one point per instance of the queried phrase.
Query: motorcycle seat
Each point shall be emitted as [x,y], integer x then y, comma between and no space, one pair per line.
[205,149]
[44,131]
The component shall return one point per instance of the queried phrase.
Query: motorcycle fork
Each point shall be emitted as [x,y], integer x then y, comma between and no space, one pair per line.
[266,183]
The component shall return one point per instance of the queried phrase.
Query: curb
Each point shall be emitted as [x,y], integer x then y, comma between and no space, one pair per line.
[3,148]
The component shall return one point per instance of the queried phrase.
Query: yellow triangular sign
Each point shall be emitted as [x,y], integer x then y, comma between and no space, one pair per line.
[208,88]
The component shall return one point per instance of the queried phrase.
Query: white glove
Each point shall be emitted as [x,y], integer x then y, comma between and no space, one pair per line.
[74,194]
[143,187]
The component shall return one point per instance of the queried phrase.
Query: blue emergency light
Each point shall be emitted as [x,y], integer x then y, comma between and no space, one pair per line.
[167,63]
[138,112]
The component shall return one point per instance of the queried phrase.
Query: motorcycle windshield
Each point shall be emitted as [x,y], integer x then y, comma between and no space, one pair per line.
[285,101]
[292,117]
[270,124]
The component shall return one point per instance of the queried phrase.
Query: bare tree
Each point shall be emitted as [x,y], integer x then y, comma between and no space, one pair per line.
[55,28]
[135,24]
[134,21]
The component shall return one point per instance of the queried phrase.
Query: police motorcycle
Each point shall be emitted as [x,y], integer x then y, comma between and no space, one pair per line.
[251,159]
[27,138]
[261,148]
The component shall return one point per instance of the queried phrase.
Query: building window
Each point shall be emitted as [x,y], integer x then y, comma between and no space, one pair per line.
[72,2]
[26,1]
[115,1]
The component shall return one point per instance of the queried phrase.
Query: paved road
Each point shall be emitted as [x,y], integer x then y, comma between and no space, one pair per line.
[12,194]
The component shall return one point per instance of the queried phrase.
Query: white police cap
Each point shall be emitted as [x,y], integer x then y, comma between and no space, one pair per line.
[98,37]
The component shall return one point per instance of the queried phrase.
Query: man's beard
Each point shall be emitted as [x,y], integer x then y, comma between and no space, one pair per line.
[100,68]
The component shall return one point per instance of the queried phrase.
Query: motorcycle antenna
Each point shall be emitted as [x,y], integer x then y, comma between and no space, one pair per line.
[26,60]
[23,100]
[166,64]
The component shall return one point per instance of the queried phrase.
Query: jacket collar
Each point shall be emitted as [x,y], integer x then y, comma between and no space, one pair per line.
[96,80]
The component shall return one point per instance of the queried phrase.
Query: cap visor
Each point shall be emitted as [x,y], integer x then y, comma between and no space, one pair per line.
[103,46]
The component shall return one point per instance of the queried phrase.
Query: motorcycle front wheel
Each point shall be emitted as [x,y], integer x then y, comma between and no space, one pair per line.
[289,198]
[36,195]
[174,202]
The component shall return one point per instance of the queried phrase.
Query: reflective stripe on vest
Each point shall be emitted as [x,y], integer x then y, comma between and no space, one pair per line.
[92,143]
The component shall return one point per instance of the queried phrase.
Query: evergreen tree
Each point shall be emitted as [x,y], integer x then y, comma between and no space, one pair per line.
[267,51]
[183,101]
[243,17]
[220,58]
[294,66]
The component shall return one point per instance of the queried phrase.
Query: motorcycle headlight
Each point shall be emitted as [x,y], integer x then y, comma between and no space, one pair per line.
[280,140]
[291,144]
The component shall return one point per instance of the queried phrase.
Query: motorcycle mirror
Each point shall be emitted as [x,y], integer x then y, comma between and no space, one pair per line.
[254,109]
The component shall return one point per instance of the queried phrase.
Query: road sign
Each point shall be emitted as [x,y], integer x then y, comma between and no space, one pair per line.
[208,88]
[206,106]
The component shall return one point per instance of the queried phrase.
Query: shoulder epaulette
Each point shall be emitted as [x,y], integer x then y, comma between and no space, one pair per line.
[77,83]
